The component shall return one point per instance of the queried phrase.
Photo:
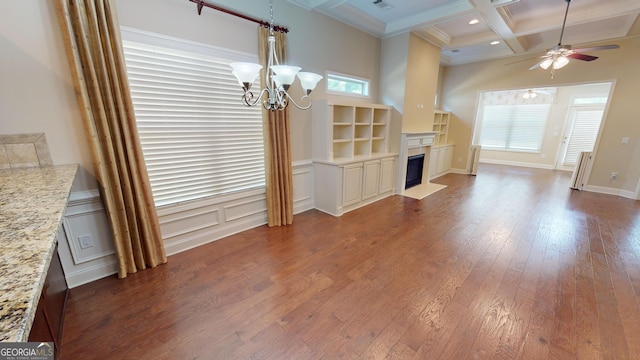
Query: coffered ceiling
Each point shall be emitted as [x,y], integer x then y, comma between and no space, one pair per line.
[513,26]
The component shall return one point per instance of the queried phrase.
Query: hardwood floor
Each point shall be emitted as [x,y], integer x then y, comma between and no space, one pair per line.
[510,264]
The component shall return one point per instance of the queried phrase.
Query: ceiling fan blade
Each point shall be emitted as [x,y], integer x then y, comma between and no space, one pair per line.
[603,47]
[537,64]
[523,60]
[583,57]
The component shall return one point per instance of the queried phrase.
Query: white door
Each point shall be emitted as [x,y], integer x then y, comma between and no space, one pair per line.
[580,134]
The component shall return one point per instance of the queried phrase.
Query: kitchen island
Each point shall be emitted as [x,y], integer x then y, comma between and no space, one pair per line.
[32,203]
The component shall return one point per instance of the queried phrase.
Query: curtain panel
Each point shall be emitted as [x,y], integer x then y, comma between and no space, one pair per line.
[94,49]
[279,174]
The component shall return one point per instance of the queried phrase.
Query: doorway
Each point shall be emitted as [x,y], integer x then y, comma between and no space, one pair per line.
[583,121]
[581,131]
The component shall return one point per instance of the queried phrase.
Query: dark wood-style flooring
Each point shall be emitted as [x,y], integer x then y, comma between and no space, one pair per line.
[510,264]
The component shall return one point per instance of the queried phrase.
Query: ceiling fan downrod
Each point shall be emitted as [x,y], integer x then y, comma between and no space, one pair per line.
[564,22]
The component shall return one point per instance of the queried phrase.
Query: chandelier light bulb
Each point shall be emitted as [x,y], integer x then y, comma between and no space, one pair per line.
[308,81]
[278,79]
[285,74]
[245,72]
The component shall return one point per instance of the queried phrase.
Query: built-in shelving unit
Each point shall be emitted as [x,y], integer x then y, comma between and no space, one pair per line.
[353,165]
[345,131]
[441,127]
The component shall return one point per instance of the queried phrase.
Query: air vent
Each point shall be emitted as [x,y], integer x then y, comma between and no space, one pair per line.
[382,4]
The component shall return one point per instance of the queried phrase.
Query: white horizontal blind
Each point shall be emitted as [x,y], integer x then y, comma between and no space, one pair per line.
[586,124]
[513,127]
[197,138]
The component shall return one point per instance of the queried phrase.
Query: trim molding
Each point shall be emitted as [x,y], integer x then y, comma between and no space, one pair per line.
[517,163]
[92,273]
[610,191]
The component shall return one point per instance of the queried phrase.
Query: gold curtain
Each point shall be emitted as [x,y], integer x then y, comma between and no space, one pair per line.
[94,49]
[279,176]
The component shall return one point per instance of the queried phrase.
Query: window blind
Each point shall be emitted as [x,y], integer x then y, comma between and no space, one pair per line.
[586,124]
[514,127]
[197,138]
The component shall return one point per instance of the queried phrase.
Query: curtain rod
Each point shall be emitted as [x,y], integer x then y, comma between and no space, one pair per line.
[201,4]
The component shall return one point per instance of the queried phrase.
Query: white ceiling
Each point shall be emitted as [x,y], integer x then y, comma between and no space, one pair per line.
[521,26]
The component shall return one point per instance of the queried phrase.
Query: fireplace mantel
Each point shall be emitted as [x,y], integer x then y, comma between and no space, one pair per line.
[413,144]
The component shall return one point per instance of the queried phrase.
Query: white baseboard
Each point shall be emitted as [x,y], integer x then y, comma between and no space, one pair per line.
[517,163]
[610,191]
[93,273]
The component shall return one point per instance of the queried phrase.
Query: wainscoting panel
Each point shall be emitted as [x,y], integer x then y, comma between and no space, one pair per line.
[173,224]
[242,210]
[302,186]
[184,226]
[85,218]
[199,222]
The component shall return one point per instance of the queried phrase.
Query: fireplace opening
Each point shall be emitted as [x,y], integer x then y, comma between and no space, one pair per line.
[415,165]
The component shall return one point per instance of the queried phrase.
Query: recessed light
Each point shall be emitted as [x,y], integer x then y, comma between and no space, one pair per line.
[474,21]
[495,42]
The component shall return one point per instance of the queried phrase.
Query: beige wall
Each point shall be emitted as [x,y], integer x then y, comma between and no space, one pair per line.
[463,83]
[423,63]
[37,94]
[409,80]
[315,42]
[37,91]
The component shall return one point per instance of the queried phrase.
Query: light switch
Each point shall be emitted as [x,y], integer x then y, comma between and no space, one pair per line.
[625,140]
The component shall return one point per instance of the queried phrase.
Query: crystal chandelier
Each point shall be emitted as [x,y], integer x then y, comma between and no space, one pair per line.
[278,79]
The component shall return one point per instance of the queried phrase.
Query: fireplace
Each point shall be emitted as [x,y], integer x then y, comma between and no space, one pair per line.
[413,144]
[415,165]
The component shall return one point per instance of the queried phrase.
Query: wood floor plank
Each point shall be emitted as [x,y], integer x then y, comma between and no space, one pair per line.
[587,322]
[508,264]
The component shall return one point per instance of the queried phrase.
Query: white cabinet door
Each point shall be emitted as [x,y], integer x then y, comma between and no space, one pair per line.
[387,174]
[371,181]
[448,158]
[352,184]
[441,167]
[433,162]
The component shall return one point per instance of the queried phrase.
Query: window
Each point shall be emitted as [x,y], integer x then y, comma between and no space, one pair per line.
[347,85]
[590,100]
[513,127]
[197,138]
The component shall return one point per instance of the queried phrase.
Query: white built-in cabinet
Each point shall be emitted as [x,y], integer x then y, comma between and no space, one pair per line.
[352,162]
[440,160]
[441,156]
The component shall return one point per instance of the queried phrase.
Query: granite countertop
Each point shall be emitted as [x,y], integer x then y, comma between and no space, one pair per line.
[32,202]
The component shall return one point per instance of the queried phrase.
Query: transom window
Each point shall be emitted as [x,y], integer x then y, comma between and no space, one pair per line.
[347,85]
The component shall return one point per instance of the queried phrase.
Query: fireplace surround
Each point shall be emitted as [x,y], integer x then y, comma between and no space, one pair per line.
[412,144]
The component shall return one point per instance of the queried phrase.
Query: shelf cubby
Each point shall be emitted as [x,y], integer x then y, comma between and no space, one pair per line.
[441,127]
[346,131]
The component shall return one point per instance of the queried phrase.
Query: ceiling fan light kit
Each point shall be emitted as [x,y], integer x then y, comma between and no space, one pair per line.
[558,56]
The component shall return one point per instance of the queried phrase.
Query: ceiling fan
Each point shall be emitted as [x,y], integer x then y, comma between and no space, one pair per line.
[559,55]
